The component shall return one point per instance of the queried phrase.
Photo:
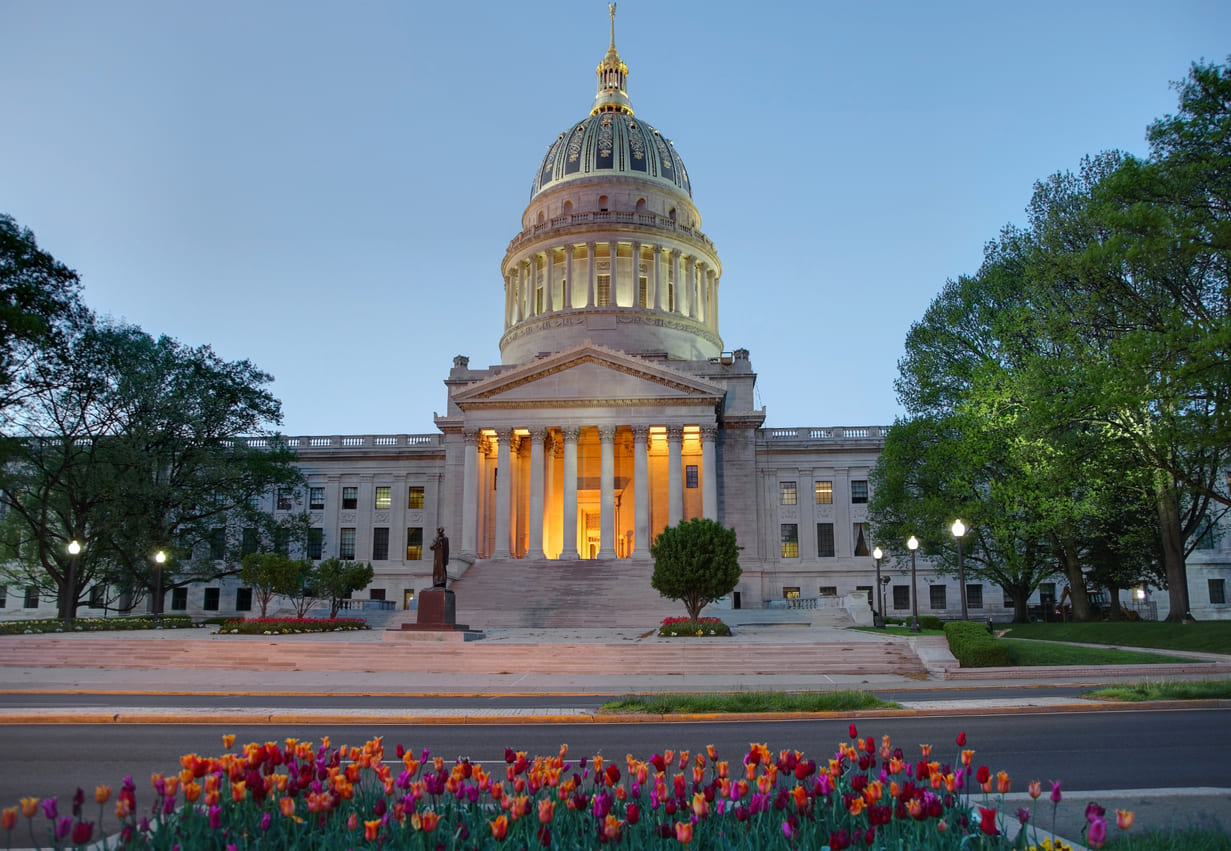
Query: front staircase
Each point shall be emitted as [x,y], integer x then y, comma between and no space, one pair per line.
[554,593]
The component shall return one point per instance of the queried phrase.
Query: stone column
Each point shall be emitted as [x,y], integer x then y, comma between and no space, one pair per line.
[675,475]
[470,487]
[592,287]
[549,495]
[709,473]
[637,277]
[504,476]
[567,294]
[569,525]
[606,540]
[658,283]
[549,286]
[690,287]
[805,498]
[698,304]
[537,434]
[641,492]
[673,280]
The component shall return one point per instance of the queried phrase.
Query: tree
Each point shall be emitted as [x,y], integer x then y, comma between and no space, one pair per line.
[334,580]
[271,575]
[696,562]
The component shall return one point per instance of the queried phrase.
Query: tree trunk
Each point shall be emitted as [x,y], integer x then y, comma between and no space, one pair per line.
[1172,534]
[1021,607]
[1113,601]
[1066,549]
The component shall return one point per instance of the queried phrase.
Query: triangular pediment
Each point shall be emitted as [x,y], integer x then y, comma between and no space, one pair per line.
[588,375]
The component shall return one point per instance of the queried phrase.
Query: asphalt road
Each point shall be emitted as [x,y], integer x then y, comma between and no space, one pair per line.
[1148,750]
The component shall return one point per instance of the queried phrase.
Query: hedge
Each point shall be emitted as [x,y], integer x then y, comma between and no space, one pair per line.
[975,647]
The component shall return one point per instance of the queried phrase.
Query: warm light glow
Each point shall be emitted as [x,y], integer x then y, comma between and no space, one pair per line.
[1141,593]
[160,556]
[912,544]
[877,554]
[73,548]
[959,529]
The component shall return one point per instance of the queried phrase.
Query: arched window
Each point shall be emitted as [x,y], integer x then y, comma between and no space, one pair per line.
[542,217]
[602,203]
[640,205]
[671,214]
[568,208]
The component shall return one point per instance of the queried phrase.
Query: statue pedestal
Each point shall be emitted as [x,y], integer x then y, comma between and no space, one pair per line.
[437,612]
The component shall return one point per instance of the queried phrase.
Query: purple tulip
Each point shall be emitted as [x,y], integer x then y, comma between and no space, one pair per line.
[49,808]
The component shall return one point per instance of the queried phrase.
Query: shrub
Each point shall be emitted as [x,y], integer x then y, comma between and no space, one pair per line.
[96,624]
[973,647]
[288,626]
[696,562]
[701,627]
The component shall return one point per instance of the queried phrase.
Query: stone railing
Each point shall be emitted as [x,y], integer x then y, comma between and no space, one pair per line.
[356,441]
[647,220]
[832,433]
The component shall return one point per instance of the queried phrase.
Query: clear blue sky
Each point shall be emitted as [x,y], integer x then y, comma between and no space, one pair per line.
[327,189]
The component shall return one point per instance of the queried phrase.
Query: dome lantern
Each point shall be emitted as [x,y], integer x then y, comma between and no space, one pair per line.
[612,79]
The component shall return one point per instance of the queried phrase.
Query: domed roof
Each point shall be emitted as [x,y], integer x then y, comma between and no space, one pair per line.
[611,141]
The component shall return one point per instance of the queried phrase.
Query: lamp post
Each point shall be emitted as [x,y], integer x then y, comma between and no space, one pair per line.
[912,545]
[70,596]
[160,558]
[879,621]
[959,529]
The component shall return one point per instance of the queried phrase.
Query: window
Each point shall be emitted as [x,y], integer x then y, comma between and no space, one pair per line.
[350,498]
[1218,592]
[671,296]
[790,540]
[380,543]
[31,601]
[974,596]
[98,597]
[4,596]
[384,497]
[901,596]
[376,593]
[316,499]
[284,499]
[250,543]
[791,592]
[603,284]
[243,599]
[690,475]
[787,491]
[212,595]
[414,497]
[824,540]
[346,544]
[829,590]
[824,493]
[1205,538]
[859,490]
[643,291]
[316,542]
[217,543]
[414,544]
[179,599]
[860,537]
[936,597]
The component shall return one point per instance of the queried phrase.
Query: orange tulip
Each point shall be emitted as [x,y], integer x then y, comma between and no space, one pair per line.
[228,740]
[8,818]
[29,806]
[547,810]
[967,757]
[925,751]
[287,806]
[192,791]
[856,806]
[238,790]
[500,827]
[1036,789]
[1124,819]
[102,794]
[428,821]
[370,828]
[611,827]
[700,806]
[1002,782]
[683,832]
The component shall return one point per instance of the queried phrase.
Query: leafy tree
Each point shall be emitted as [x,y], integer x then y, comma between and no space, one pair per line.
[696,562]
[271,575]
[334,579]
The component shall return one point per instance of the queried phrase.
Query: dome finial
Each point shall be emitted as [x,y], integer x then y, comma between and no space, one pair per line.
[612,78]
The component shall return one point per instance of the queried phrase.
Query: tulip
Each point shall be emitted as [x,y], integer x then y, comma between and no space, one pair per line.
[1124,819]
[8,818]
[1097,834]
[961,739]
[853,731]
[683,832]
[49,808]
[228,740]
[500,827]
[352,822]
[1036,789]
[370,829]
[1002,782]
[987,821]
[1055,791]
[102,794]
[29,806]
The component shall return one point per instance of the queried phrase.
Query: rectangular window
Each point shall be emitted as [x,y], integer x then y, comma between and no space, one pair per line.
[284,499]
[690,476]
[974,596]
[217,543]
[384,497]
[901,596]
[243,599]
[316,542]
[643,291]
[1218,592]
[376,593]
[212,598]
[414,544]
[350,498]
[380,543]
[98,596]
[4,596]
[824,540]
[791,592]
[790,540]
[250,542]
[671,296]
[316,499]
[179,599]
[603,283]
[414,497]
[859,490]
[346,544]
[824,493]
[829,590]
[859,535]
[936,597]
[788,493]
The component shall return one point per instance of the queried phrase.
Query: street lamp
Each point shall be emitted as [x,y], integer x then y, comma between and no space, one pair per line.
[160,558]
[959,529]
[70,598]
[879,621]
[912,545]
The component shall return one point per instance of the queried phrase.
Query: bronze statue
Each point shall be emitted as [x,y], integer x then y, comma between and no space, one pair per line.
[440,559]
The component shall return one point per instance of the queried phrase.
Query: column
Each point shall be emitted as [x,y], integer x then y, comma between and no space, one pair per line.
[568,277]
[592,287]
[533,263]
[658,283]
[641,492]
[606,540]
[675,477]
[673,280]
[536,492]
[549,495]
[470,488]
[698,305]
[569,530]
[690,287]
[637,278]
[709,473]
[805,498]
[504,475]
[549,286]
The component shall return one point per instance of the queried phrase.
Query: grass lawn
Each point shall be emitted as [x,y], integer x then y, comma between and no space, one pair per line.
[748,701]
[1033,653]
[1133,692]
[1204,637]
[1190,839]
[901,630]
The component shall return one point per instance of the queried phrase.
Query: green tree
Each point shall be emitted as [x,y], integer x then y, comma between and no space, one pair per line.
[271,575]
[334,580]
[696,562]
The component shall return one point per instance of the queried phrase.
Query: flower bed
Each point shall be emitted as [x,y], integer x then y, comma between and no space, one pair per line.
[95,624]
[288,626]
[298,795]
[701,627]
